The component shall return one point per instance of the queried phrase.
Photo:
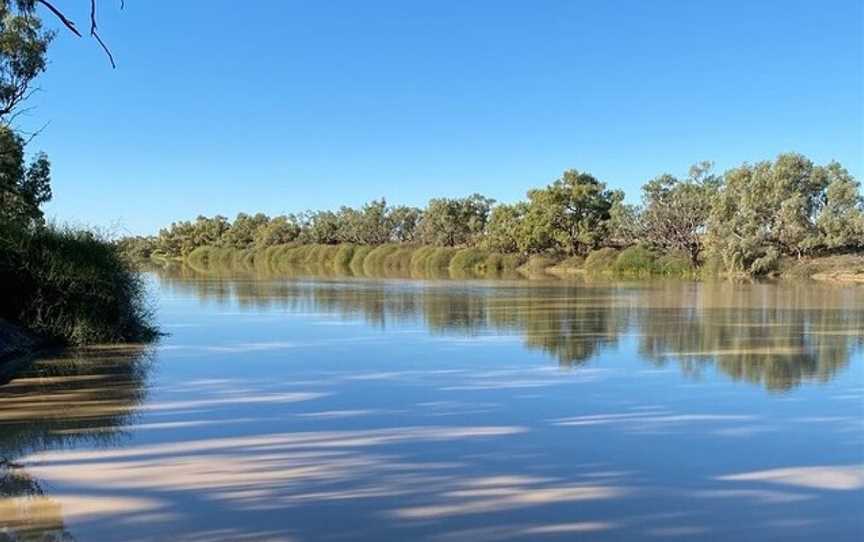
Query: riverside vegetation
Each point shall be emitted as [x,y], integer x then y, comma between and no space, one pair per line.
[64,284]
[787,216]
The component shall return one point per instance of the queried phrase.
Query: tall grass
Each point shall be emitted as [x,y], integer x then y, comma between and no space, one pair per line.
[601,260]
[343,257]
[373,264]
[358,258]
[71,286]
[468,262]
[636,261]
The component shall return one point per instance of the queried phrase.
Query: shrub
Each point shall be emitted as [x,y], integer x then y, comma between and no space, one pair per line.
[439,259]
[374,262]
[636,260]
[468,261]
[601,260]
[676,264]
[72,287]
[537,264]
[420,260]
[359,258]
[342,259]
[399,259]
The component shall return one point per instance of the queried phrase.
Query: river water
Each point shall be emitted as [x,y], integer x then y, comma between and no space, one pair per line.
[311,409]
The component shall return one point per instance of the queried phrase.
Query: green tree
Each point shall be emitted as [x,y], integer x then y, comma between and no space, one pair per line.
[23,188]
[771,209]
[625,224]
[320,227]
[676,212]
[570,215]
[23,45]
[505,231]
[405,222]
[371,225]
[455,222]
[210,231]
[278,231]
[841,219]
[241,234]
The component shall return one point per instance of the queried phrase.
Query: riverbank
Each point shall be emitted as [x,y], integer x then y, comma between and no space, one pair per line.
[427,262]
[845,269]
[71,287]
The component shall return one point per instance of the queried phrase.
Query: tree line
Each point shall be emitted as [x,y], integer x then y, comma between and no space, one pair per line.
[747,219]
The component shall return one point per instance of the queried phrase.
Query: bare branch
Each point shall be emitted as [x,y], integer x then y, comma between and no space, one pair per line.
[95,34]
[74,29]
[105,48]
[63,19]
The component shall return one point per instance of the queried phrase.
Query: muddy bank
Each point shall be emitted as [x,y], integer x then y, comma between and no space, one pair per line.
[845,269]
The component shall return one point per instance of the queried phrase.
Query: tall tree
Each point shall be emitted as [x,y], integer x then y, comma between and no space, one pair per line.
[676,212]
[455,222]
[570,215]
[771,209]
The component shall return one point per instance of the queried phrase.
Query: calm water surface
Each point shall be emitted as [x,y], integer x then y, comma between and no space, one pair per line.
[348,409]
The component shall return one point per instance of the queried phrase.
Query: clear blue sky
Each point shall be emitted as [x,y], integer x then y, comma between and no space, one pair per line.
[280,106]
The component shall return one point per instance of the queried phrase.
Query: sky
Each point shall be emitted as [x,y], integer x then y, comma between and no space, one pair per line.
[278,106]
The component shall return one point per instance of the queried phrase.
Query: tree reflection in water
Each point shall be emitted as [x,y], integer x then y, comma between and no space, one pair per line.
[774,335]
[433,465]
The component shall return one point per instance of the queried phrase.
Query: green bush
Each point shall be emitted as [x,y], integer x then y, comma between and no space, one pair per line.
[70,286]
[359,258]
[439,259]
[468,261]
[326,255]
[537,264]
[399,259]
[374,262]
[601,260]
[676,265]
[342,259]
[420,260]
[636,261]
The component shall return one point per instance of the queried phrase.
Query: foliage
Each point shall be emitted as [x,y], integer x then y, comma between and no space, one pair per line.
[676,212]
[840,220]
[455,222]
[23,46]
[504,232]
[23,187]
[601,260]
[788,207]
[636,261]
[742,222]
[625,224]
[343,257]
[468,261]
[570,215]
[277,231]
[70,286]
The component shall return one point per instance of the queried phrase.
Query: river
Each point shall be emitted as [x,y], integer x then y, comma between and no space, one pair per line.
[309,409]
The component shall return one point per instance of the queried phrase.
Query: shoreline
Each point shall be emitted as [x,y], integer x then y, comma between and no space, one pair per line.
[18,346]
[847,269]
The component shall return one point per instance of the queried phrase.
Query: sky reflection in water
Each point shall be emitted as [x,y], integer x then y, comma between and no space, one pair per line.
[399,410]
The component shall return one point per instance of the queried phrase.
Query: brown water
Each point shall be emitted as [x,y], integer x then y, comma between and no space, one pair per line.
[347,409]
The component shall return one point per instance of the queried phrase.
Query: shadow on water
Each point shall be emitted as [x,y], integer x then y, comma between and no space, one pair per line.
[60,401]
[370,454]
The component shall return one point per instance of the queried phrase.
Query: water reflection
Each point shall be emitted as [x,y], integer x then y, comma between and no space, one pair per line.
[77,397]
[310,409]
[773,335]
